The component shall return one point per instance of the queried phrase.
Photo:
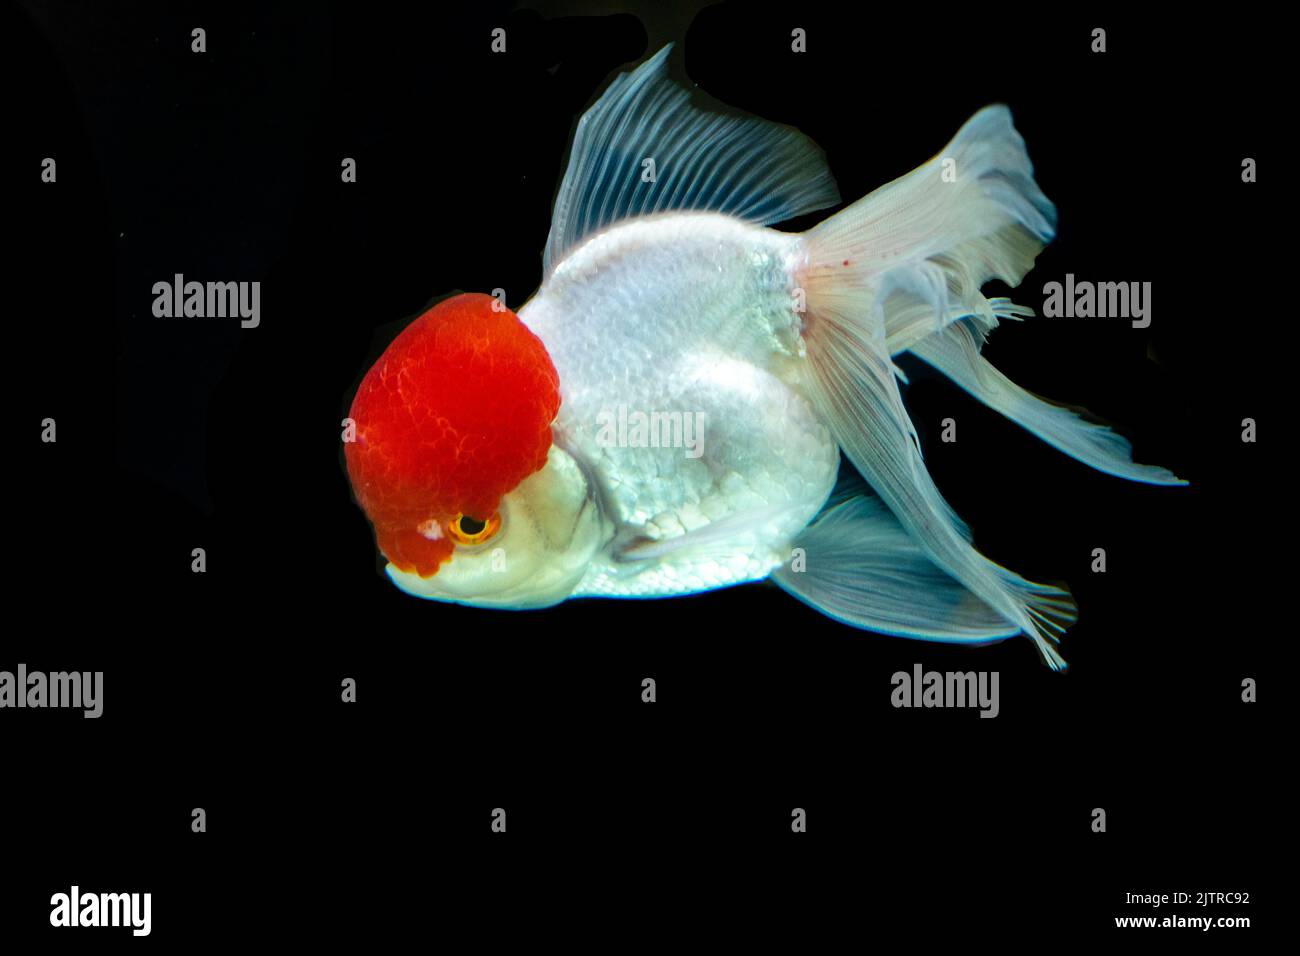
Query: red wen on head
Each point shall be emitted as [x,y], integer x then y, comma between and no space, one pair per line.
[456,412]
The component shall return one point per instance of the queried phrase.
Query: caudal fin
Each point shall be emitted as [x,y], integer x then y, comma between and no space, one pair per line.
[956,352]
[922,246]
[929,241]
[931,238]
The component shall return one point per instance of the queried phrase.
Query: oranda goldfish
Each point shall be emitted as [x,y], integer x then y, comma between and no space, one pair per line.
[668,413]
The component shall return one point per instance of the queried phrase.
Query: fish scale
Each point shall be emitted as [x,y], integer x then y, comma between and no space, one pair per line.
[690,313]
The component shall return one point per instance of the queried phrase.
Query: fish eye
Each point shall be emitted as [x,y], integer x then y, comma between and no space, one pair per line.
[465,529]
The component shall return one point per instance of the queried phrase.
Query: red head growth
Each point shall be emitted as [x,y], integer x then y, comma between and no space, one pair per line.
[456,412]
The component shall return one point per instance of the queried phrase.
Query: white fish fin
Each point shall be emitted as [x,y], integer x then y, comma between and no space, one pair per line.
[956,352]
[909,321]
[934,236]
[857,396]
[862,568]
[850,484]
[924,239]
[736,164]
[716,539]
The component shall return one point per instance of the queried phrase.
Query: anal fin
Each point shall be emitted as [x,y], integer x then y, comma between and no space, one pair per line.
[856,564]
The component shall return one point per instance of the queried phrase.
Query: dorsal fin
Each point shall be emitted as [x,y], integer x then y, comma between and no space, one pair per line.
[728,163]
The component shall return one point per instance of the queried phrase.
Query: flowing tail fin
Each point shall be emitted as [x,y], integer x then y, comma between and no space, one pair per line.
[932,238]
[956,352]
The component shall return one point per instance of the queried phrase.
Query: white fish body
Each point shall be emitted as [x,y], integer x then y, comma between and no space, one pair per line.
[666,298]
[686,320]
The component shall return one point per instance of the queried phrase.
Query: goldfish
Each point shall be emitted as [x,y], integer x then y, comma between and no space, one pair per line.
[694,399]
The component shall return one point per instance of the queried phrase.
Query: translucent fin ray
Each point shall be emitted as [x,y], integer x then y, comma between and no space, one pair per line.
[930,238]
[956,352]
[862,568]
[729,163]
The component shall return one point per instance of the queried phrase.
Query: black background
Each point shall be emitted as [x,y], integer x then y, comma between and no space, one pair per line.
[371,821]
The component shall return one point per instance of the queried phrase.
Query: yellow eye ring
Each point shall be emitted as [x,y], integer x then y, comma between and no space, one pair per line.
[466,530]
